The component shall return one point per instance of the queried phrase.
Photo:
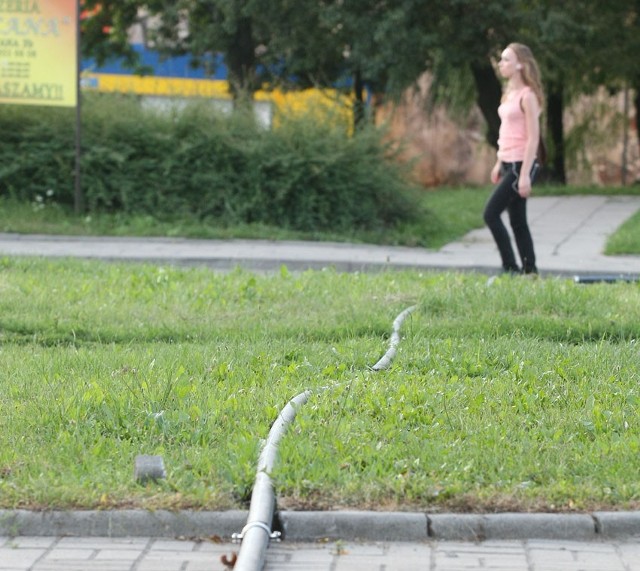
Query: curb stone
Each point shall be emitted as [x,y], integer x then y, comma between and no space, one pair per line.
[477,527]
[354,525]
[618,525]
[398,526]
[325,525]
[121,523]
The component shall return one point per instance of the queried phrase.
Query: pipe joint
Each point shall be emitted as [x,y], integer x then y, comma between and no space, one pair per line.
[273,535]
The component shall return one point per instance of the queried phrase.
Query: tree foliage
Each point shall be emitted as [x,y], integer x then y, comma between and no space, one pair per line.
[386,45]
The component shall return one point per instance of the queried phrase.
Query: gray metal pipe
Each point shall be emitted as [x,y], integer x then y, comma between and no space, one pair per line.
[257,533]
[386,359]
[255,536]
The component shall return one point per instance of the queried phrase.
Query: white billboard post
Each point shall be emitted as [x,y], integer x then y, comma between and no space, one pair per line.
[39,58]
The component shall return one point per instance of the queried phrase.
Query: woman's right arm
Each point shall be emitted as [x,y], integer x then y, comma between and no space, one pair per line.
[495,172]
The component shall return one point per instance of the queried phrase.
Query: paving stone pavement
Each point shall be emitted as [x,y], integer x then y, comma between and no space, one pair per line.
[29,553]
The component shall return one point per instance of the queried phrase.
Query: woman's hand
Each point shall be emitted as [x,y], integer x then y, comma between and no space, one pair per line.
[524,185]
[495,173]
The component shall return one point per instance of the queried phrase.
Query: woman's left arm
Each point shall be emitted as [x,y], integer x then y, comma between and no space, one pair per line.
[531,109]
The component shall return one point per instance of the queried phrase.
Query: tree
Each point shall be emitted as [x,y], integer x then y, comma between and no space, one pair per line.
[567,38]
[615,47]
[104,30]
[558,41]
[582,46]
[469,36]
[199,28]
[386,45]
[202,28]
[379,46]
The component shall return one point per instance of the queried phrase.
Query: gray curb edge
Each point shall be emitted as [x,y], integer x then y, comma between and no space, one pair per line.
[326,525]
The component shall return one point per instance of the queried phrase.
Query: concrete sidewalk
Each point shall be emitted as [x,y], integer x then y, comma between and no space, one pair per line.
[150,554]
[569,235]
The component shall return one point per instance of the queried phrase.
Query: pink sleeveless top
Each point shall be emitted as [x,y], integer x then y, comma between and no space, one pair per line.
[512,137]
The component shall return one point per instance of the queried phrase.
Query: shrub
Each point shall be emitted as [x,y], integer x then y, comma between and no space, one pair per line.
[302,175]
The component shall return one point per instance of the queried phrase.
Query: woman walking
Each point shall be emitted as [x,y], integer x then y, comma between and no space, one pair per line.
[516,165]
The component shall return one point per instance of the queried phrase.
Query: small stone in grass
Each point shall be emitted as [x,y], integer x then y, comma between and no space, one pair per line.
[149,468]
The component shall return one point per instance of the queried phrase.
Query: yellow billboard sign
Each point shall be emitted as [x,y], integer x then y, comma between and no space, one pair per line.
[38,52]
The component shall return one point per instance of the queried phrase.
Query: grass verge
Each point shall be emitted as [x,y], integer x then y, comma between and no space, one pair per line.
[626,239]
[522,395]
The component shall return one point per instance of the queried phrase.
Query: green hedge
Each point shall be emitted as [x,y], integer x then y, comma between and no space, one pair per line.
[303,175]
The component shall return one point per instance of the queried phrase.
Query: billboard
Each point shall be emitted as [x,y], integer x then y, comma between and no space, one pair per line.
[38,52]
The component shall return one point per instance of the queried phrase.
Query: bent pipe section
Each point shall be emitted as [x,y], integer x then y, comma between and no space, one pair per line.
[386,359]
[256,534]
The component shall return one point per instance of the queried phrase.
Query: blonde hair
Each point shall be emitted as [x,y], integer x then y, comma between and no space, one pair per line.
[530,70]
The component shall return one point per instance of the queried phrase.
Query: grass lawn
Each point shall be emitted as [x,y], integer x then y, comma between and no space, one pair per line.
[522,395]
[626,240]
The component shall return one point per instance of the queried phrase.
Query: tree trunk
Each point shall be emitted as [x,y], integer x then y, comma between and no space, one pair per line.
[358,104]
[555,127]
[241,63]
[636,104]
[489,90]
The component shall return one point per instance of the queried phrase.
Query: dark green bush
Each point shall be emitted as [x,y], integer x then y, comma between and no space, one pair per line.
[302,175]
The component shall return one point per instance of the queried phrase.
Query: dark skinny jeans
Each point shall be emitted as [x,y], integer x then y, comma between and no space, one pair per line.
[506,197]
